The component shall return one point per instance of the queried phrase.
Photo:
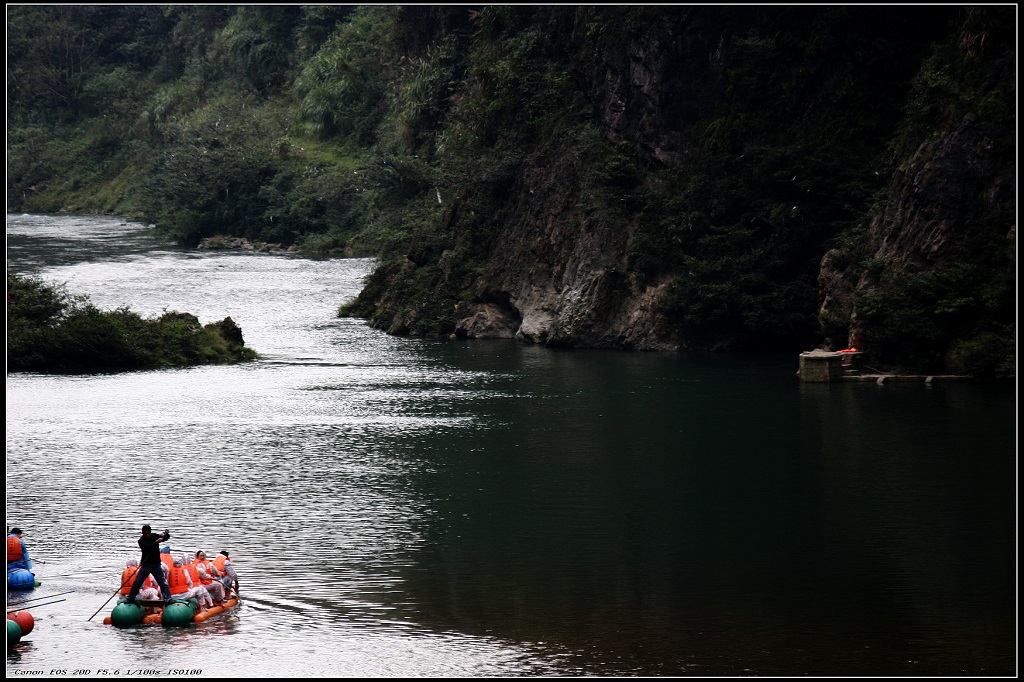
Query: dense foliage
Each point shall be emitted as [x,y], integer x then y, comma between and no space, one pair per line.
[411,132]
[49,329]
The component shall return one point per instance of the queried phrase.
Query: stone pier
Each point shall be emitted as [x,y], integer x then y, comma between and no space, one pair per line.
[822,366]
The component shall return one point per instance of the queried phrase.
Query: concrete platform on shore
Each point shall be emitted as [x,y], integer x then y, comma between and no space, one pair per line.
[821,366]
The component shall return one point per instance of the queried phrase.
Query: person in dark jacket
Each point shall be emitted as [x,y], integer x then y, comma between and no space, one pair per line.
[150,563]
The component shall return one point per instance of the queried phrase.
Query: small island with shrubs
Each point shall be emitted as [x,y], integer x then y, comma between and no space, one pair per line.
[52,330]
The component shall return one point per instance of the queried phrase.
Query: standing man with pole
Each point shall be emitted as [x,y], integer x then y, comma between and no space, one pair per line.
[150,563]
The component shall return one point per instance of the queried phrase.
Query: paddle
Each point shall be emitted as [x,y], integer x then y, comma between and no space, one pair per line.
[35,605]
[25,601]
[61,577]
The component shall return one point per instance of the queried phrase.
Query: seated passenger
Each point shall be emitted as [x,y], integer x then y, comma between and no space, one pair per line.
[182,587]
[223,564]
[17,552]
[149,591]
[208,575]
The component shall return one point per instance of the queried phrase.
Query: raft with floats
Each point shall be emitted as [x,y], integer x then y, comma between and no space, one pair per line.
[175,613]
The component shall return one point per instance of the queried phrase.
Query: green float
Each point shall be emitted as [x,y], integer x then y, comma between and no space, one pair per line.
[13,632]
[126,614]
[178,613]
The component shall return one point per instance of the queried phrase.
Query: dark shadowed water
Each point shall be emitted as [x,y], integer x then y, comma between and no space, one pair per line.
[411,508]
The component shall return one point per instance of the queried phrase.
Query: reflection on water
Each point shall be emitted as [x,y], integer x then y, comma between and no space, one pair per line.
[419,508]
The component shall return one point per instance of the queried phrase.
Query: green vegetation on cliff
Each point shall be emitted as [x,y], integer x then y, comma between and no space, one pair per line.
[51,330]
[525,158]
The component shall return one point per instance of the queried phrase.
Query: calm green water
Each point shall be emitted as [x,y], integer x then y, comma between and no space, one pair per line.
[417,508]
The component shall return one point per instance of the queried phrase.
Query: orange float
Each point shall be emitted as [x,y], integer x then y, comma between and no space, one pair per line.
[24,619]
[216,610]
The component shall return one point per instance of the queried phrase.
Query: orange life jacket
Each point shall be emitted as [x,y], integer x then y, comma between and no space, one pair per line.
[128,578]
[219,562]
[178,580]
[14,551]
[194,572]
[208,568]
[168,561]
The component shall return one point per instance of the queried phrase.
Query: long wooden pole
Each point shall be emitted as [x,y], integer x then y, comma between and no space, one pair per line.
[105,603]
[119,587]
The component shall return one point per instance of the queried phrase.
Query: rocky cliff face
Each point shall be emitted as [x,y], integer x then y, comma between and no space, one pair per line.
[558,273]
[560,264]
[934,283]
[558,269]
[953,193]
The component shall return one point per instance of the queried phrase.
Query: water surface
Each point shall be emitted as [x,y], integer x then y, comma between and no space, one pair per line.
[414,508]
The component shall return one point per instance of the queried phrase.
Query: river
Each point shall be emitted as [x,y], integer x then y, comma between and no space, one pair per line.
[421,508]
